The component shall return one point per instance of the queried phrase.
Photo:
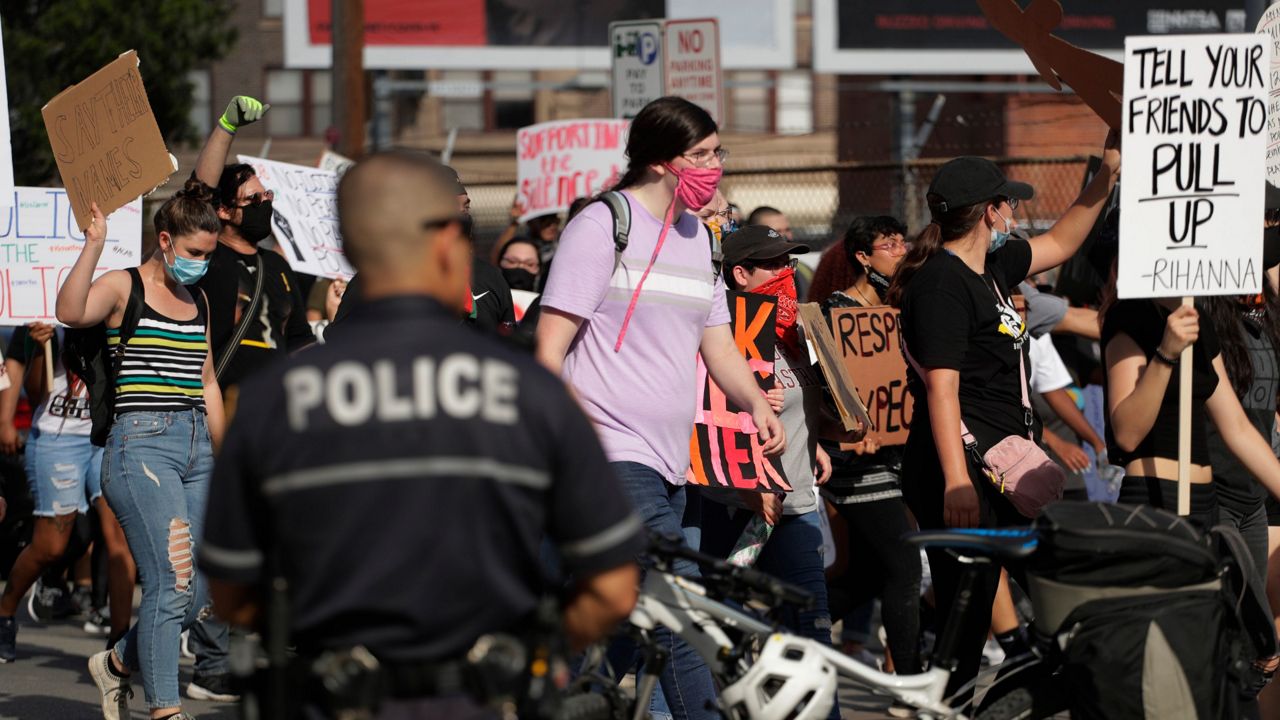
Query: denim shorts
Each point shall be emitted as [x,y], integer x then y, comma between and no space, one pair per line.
[64,473]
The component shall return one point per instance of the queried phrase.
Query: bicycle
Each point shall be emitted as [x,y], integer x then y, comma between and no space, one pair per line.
[765,673]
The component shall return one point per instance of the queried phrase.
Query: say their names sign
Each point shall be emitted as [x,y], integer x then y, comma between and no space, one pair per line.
[305,217]
[40,242]
[725,449]
[1195,144]
[691,63]
[558,162]
[105,140]
[868,339]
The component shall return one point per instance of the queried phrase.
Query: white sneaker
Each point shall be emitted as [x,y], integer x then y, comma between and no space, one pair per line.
[116,691]
[185,646]
[992,653]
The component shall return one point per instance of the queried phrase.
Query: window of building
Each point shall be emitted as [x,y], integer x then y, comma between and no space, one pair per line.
[301,102]
[462,99]
[795,103]
[749,98]
[512,95]
[201,115]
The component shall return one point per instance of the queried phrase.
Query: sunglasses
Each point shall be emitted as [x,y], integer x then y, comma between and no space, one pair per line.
[258,198]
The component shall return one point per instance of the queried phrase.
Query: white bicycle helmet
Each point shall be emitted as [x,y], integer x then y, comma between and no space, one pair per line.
[790,680]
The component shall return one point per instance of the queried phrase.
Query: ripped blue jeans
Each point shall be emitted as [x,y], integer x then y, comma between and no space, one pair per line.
[155,477]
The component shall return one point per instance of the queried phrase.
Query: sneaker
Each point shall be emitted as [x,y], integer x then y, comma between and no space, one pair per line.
[98,622]
[992,653]
[217,688]
[115,690]
[82,600]
[8,639]
[184,645]
[45,604]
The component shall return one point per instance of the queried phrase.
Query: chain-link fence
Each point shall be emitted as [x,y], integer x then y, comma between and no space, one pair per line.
[821,200]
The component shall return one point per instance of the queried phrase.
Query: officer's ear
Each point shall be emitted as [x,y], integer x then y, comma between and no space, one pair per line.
[451,255]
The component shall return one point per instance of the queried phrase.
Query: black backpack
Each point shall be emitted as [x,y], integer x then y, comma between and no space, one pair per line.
[1149,616]
[87,354]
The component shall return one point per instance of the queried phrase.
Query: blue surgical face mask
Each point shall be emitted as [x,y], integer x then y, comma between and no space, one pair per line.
[999,237]
[185,271]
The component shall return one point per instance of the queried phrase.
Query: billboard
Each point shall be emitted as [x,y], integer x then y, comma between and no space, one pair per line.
[877,37]
[528,34]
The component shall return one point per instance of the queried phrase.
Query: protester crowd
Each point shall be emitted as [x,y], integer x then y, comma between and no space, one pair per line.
[216,337]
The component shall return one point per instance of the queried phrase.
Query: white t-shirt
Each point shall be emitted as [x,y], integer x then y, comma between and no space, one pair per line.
[1048,372]
[66,410]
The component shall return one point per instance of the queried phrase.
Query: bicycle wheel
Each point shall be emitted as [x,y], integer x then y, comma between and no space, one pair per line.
[585,707]
[1036,698]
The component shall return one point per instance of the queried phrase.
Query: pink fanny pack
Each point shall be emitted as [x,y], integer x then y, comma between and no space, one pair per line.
[1016,466]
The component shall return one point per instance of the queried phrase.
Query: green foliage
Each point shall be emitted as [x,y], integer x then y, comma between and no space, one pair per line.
[52,44]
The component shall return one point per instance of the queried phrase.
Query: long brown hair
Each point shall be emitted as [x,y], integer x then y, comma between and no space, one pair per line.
[1225,314]
[189,210]
[945,227]
[834,273]
[662,131]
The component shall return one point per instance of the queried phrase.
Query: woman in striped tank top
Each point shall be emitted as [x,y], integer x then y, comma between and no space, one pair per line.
[159,454]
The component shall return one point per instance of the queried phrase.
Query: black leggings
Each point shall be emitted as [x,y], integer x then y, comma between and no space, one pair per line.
[922,488]
[1163,494]
[883,566]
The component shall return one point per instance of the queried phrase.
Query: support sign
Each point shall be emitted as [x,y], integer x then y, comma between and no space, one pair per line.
[652,58]
[1195,143]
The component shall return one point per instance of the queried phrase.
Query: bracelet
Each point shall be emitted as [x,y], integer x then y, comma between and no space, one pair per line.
[1171,362]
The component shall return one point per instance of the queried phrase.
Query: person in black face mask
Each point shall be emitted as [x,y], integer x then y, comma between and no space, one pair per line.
[520,264]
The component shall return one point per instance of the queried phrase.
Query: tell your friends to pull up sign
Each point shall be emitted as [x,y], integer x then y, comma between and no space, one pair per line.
[1195,143]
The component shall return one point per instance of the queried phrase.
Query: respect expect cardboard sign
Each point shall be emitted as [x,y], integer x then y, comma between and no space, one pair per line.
[105,140]
[559,161]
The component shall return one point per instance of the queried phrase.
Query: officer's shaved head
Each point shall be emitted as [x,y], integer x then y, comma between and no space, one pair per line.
[394,209]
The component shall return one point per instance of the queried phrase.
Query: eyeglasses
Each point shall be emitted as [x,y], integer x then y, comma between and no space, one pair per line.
[893,247]
[258,198]
[511,264]
[702,158]
[776,265]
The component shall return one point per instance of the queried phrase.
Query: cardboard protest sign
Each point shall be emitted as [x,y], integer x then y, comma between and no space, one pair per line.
[305,217]
[105,140]
[853,414]
[6,144]
[1096,79]
[1195,136]
[1269,25]
[557,162]
[39,242]
[725,449]
[868,339]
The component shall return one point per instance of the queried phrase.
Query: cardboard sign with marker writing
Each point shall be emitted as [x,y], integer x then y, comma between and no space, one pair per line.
[725,449]
[853,414]
[1096,79]
[1269,25]
[1195,139]
[868,342]
[105,140]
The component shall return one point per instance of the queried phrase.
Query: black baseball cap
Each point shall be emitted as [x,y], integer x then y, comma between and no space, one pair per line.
[451,175]
[757,242]
[970,180]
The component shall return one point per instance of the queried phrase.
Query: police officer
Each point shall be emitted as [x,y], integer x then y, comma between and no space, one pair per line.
[402,477]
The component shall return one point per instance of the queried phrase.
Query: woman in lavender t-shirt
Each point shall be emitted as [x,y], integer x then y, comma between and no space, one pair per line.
[625,334]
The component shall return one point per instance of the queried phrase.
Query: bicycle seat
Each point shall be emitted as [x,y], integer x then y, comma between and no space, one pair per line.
[1007,543]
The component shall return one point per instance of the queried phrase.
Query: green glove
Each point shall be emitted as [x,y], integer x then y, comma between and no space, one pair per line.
[242,110]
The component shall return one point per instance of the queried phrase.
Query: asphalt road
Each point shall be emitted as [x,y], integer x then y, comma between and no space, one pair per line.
[50,681]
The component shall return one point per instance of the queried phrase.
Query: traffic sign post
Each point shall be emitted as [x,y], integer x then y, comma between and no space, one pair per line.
[636,57]
[691,63]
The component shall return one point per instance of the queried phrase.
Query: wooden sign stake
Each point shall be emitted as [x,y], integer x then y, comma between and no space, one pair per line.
[1184,426]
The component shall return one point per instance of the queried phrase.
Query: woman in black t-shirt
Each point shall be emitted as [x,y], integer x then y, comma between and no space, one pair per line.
[960,327]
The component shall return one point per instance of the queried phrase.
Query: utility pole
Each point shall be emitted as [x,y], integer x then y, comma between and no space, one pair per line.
[349,102]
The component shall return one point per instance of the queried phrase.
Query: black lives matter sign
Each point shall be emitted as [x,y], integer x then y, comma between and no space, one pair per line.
[1195,141]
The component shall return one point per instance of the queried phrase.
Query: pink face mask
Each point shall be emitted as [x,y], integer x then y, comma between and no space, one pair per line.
[696,187]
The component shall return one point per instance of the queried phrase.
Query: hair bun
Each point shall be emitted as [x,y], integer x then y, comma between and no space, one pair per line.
[194,189]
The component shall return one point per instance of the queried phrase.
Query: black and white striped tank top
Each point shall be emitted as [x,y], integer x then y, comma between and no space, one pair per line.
[162,364]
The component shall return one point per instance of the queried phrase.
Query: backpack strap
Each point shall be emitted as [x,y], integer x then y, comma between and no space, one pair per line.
[132,314]
[620,209]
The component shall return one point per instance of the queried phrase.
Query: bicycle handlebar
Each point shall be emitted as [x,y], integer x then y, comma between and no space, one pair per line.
[739,583]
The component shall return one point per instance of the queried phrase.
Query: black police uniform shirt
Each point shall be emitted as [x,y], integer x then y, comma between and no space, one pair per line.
[280,322]
[408,472]
[953,318]
[492,308]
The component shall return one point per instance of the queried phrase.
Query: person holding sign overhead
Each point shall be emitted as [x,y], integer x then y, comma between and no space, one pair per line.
[159,451]
[968,346]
